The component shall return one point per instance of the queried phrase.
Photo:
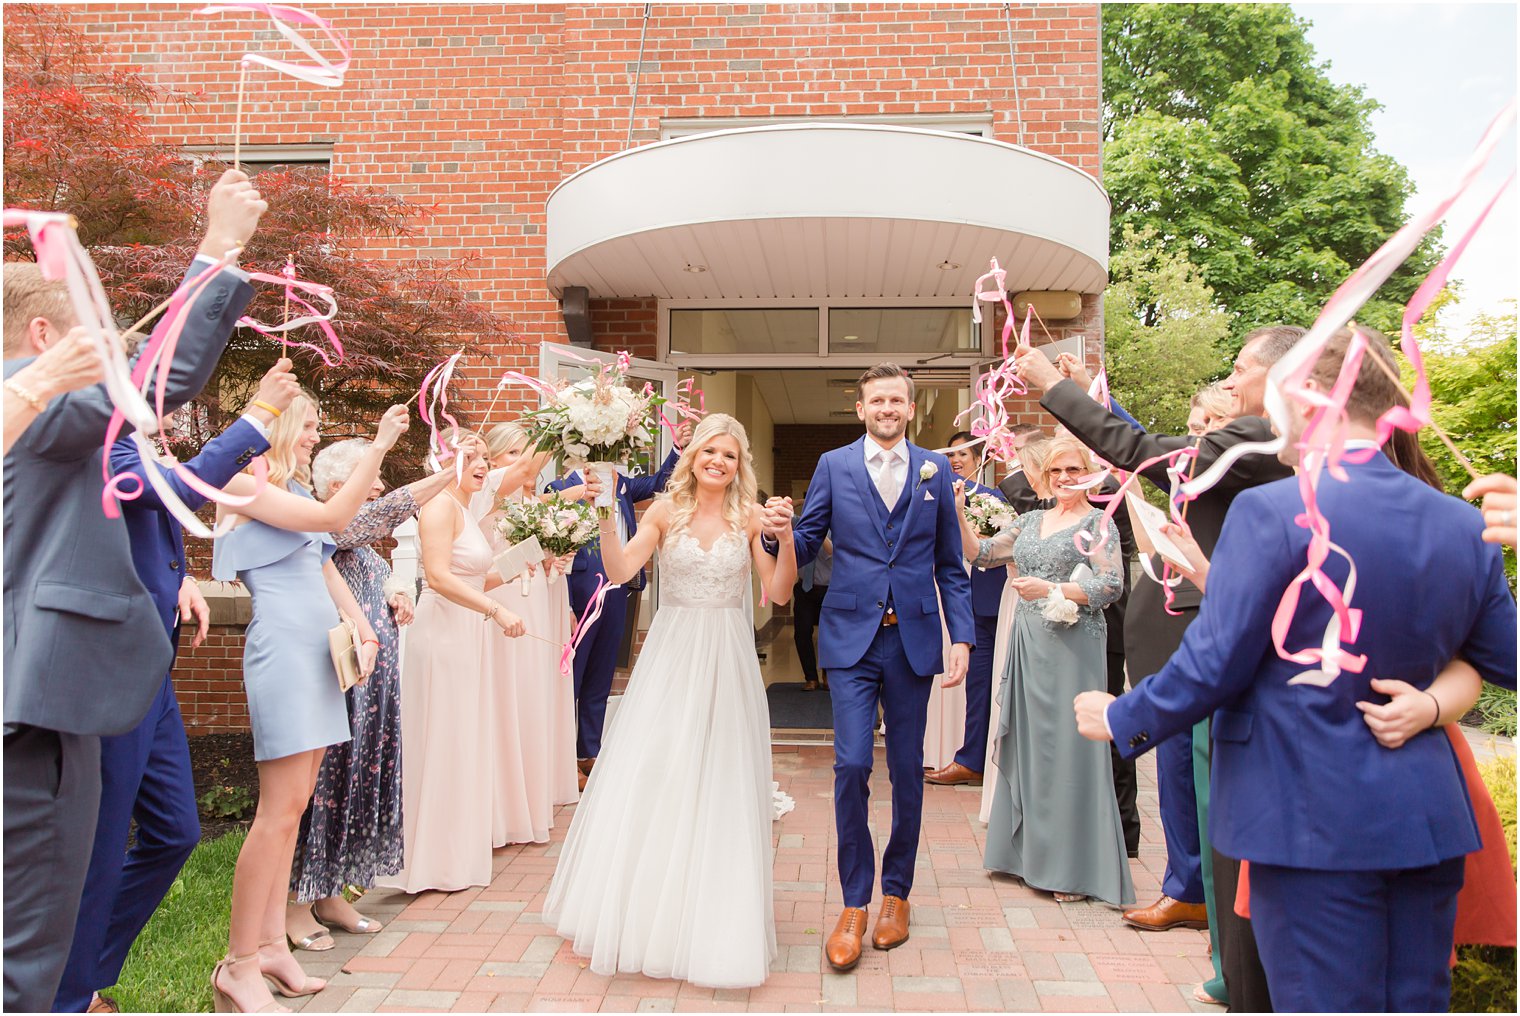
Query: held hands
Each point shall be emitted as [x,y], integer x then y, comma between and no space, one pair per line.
[1070,365]
[1498,492]
[67,365]
[1410,712]
[1030,588]
[1036,369]
[1090,707]
[193,605]
[232,214]
[392,425]
[960,659]
[402,607]
[776,517]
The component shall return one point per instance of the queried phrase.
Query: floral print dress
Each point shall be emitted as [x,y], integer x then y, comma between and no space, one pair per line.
[351,833]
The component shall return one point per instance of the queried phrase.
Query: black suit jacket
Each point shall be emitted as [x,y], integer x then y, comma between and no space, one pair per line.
[1156,637]
[1020,494]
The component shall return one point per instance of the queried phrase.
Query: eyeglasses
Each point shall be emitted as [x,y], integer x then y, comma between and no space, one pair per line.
[1066,471]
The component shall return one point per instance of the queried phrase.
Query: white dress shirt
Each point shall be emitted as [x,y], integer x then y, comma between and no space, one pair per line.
[876,456]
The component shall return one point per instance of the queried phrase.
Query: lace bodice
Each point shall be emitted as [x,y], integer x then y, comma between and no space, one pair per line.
[693,577]
[1055,558]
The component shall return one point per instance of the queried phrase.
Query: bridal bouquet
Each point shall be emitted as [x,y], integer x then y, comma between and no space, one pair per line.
[561,527]
[989,515]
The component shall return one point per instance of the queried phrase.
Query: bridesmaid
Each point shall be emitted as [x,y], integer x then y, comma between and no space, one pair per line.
[281,552]
[534,711]
[445,698]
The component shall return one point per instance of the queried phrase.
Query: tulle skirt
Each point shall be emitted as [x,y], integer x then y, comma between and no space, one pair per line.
[666,868]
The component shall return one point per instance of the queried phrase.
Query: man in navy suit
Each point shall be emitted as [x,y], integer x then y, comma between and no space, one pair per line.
[986,595]
[145,773]
[1356,850]
[891,510]
[596,656]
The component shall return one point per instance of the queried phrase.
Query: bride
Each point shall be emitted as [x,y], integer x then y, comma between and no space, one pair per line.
[666,868]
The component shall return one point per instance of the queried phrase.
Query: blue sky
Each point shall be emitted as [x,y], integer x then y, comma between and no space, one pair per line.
[1441,71]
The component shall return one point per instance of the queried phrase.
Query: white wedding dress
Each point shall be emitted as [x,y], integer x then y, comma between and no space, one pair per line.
[666,869]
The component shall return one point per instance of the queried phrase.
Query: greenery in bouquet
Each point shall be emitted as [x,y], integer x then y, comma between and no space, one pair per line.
[562,527]
[989,515]
[597,419]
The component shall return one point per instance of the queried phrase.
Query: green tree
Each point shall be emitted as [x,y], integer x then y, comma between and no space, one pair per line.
[1163,331]
[1224,135]
[1472,390]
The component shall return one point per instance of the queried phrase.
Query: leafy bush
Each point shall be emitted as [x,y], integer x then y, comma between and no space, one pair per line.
[227,802]
[1484,977]
[1496,711]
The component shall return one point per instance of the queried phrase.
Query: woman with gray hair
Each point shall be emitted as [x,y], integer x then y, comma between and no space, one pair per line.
[351,832]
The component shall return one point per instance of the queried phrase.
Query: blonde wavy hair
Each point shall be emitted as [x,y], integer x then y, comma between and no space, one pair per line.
[283,435]
[503,438]
[738,499]
[1033,458]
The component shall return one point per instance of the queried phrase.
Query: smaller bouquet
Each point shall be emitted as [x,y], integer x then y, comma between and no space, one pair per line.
[989,515]
[537,530]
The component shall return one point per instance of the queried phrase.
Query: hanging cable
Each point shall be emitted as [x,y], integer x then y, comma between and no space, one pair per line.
[1013,65]
[638,70]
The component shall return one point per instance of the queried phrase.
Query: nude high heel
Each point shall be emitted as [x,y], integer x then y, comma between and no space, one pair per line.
[225,1002]
[283,986]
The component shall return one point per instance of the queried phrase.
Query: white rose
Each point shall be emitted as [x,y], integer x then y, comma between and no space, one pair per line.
[927,471]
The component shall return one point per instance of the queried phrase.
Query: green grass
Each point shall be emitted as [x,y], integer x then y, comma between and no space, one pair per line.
[1496,706]
[169,968]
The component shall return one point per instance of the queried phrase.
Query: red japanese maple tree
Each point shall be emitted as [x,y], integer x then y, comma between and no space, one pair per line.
[77,139]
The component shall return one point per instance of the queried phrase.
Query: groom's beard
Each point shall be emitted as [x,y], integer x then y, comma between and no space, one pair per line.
[881,432]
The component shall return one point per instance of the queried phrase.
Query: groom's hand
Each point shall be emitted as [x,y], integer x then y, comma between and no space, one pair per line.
[960,658]
[1091,708]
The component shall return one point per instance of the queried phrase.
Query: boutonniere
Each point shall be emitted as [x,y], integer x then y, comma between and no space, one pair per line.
[926,472]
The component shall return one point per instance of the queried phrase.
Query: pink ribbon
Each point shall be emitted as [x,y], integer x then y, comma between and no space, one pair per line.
[681,407]
[322,71]
[434,392]
[288,281]
[583,624]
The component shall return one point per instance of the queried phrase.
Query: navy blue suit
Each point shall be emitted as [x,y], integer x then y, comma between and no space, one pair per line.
[986,595]
[596,656]
[883,559]
[145,773]
[1356,850]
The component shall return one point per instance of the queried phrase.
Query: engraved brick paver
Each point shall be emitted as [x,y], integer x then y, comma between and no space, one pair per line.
[979,942]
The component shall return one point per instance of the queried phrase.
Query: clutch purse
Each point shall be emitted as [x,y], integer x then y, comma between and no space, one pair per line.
[343,643]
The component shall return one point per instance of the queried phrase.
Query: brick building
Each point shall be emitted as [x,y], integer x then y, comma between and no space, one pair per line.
[768,196]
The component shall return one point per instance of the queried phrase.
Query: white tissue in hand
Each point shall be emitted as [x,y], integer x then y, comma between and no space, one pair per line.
[1058,608]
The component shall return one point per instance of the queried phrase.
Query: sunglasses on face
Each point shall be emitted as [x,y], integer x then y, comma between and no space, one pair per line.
[1065,471]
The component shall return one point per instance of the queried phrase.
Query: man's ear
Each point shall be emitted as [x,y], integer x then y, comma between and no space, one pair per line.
[39,335]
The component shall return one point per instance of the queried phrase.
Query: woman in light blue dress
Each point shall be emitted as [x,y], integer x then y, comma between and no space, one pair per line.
[281,550]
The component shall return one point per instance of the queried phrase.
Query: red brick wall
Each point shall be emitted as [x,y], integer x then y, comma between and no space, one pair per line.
[209,681]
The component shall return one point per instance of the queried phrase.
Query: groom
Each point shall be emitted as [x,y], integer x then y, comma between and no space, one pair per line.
[891,509]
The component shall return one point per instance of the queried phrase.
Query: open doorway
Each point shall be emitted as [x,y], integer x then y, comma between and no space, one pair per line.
[792,417]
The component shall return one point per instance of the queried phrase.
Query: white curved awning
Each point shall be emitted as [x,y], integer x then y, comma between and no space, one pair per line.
[825,211]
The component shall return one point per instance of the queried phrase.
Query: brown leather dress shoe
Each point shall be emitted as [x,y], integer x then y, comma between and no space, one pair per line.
[891,924]
[843,947]
[1167,913]
[585,764]
[952,775]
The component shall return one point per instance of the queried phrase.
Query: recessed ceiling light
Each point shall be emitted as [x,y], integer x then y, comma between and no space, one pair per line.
[948,266]
[696,269]
[849,338]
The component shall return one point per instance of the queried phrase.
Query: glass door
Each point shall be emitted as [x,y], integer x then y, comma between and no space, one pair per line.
[556,360]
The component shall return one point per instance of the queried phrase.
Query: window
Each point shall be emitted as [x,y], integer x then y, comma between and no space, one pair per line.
[979,124]
[759,332]
[895,330]
[256,159]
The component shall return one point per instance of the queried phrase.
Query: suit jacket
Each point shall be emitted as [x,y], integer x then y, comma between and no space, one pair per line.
[880,560]
[1016,491]
[1110,437]
[1298,779]
[630,491]
[85,649]
[156,538]
[986,583]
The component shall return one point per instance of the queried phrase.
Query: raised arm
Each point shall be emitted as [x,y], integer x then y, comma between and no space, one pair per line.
[777,574]
[622,561]
[284,510]
[642,488]
[520,472]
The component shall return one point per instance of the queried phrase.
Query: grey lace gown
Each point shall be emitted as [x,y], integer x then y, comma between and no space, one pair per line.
[1054,820]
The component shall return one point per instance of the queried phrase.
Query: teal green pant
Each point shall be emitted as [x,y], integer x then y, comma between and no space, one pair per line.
[1201,753]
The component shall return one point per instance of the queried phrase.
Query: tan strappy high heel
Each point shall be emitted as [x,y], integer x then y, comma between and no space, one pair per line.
[225,1002]
[283,986]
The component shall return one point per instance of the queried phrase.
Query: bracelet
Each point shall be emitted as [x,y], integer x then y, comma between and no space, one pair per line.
[370,642]
[490,615]
[23,393]
[261,404]
[1435,722]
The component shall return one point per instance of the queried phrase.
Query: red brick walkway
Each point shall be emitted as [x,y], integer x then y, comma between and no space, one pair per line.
[978,942]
